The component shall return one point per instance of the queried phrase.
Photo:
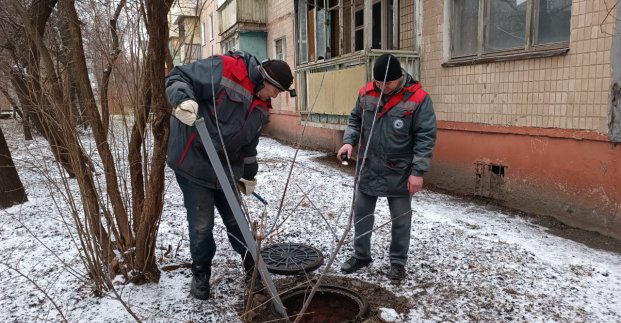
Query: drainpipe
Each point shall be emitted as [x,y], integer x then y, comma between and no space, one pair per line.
[614,111]
[418,16]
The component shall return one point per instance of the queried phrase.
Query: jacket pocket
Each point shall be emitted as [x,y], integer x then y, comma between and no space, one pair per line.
[396,172]
[368,116]
[400,126]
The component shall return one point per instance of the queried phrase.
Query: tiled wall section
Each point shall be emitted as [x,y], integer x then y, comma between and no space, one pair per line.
[280,24]
[568,91]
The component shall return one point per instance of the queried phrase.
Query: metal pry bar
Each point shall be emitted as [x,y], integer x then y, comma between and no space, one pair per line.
[251,244]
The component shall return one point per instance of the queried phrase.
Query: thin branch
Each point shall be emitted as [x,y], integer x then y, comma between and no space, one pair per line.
[60,312]
[318,212]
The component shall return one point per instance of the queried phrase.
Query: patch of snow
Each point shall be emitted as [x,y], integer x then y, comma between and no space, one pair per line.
[389,315]
[466,262]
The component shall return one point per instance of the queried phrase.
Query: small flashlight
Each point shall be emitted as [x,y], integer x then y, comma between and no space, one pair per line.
[344,159]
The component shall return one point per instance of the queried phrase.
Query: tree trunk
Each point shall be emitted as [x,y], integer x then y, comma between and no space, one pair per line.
[105,80]
[64,142]
[153,101]
[11,189]
[79,72]
[28,87]
[25,121]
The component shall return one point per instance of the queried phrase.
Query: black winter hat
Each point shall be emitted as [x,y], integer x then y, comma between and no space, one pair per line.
[382,64]
[278,73]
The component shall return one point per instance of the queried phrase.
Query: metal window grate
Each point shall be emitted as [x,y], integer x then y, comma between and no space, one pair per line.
[489,180]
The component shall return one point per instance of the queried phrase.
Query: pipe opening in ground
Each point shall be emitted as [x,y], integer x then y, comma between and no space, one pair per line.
[330,304]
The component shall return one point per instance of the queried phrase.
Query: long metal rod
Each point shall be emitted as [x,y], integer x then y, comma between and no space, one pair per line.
[251,244]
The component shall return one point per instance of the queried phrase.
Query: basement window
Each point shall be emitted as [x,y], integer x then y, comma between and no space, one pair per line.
[489,180]
[498,169]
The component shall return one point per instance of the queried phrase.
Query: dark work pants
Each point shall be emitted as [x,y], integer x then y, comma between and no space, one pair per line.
[199,202]
[401,216]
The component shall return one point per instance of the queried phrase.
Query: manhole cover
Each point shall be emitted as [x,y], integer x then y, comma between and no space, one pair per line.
[291,258]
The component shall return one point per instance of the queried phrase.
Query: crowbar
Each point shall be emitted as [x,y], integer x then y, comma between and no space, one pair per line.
[251,244]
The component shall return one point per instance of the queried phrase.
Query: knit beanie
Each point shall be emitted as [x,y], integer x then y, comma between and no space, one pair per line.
[382,64]
[278,74]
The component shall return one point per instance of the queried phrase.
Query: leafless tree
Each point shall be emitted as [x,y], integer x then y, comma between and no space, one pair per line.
[11,188]
[54,80]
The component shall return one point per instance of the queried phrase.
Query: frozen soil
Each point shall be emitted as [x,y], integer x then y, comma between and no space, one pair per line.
[469,260]
[375,296]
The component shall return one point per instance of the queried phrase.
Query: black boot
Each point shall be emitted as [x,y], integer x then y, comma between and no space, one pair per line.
[353,264]
[248,263]
[199,287]
[397,272]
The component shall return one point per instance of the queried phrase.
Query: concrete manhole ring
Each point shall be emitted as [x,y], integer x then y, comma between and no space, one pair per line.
[291,258]
[330,304]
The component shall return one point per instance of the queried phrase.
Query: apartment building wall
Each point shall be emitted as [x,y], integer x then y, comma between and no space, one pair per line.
[529,133]
[209,26]
[285,118]
[280,25]
[183,31]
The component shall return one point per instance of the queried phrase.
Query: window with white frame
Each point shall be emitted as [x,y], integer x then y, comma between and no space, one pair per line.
[203,40]
[211,27]
[280,49]
[486,27]
[229,44]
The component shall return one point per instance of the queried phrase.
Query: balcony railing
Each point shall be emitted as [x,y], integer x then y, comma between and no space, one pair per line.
[235,12]
[327,90]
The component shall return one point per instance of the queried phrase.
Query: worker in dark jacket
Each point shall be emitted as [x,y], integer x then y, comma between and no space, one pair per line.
[232,93]
[395,125]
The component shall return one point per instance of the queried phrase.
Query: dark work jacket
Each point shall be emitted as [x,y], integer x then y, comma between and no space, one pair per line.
[224,84]
[402,137]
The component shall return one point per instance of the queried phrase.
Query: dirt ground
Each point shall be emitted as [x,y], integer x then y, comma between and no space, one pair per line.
[374,295]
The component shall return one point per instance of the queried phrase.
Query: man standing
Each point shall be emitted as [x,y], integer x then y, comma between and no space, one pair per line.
[232,93]
[394,123]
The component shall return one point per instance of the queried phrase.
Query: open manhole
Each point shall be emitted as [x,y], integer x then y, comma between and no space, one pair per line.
[330,304]
[291,258]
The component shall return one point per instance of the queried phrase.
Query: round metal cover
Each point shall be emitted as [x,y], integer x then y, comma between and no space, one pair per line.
[291,258]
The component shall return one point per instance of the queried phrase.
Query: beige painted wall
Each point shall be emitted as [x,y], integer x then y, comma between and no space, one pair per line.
[568,91]
[335,99]
[280,24]
[212,46]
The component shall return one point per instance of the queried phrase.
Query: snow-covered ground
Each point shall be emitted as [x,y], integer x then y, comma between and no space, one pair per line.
[467,262]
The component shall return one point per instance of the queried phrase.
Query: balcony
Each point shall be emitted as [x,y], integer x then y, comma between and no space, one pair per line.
[328,89]
[242,15]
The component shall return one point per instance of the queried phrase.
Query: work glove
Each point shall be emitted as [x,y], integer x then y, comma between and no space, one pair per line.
[186,112]
[251,169]
[247,186]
